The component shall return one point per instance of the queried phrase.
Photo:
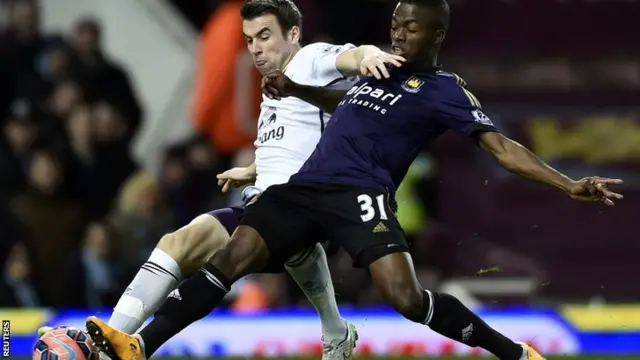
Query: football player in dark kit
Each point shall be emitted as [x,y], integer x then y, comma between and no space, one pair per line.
[343,190]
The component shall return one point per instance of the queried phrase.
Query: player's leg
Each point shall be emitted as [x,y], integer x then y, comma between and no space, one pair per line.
[310,271]
[364,224]
[180,252]
[395,278]
[197,296]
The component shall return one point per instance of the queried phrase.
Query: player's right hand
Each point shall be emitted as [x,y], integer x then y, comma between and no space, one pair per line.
[276,85]
[375,64]
[235,178]
[595,189]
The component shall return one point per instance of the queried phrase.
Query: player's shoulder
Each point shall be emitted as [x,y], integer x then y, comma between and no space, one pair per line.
[452,89]
[449,81]
[314,64]
[323,48]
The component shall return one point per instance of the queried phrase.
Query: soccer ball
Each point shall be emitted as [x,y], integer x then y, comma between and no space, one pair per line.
[65,343]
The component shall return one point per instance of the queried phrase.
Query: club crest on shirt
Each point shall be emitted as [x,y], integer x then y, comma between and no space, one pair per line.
[332,49]
[412,84]
[267,117]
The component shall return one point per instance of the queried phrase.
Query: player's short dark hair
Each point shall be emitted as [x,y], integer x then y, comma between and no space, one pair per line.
[285,11]
[441,6]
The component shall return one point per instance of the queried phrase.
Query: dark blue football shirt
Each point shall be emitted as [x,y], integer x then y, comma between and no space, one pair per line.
[380,126]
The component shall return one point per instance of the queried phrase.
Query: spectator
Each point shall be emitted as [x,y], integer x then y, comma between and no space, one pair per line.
[98,275]
[87,171]
[52,220]
[21,43]
[63,99]
[141,217]
[17,288]
[173,179]
[20,133]
[12,232]
[204,164]
[112,146]
[188,179]
[102,78]
[227,94]
[53,64]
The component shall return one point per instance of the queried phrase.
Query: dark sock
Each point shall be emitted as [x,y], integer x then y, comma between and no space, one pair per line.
[194,299]
[449,317]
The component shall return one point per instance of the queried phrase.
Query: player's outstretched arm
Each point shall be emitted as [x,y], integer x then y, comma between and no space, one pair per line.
[276,85]
[519,160]
[367,60]
[326,100]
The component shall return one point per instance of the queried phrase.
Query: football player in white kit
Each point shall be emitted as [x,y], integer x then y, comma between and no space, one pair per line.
[288,132]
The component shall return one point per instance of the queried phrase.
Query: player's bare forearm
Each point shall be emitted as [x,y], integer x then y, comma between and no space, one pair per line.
[251,169]
[519,160]
[349,61]
[325,99]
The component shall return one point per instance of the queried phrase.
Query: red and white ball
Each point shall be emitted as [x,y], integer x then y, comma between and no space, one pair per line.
[65,343]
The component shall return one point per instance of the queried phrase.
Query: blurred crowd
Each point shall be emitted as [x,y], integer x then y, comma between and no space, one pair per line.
[78,215]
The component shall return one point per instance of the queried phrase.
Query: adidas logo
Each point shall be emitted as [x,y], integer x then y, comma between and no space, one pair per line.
[466,333]
[381,227]
[175,294]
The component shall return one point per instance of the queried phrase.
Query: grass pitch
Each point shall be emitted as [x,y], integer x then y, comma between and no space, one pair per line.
[603,357]
[591,357]
[594,357]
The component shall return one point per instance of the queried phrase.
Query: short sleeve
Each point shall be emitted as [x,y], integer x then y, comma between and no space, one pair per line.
[323,62]
[458,109]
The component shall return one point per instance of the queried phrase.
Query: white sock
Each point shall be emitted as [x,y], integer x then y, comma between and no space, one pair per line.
[310,271]
[146,293]
[525,352]
[141,342]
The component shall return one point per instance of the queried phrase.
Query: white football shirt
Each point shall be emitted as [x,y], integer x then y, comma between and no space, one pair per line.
[289,129]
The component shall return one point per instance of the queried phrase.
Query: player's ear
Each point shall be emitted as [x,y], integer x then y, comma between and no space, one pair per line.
[294,35]
[440,35]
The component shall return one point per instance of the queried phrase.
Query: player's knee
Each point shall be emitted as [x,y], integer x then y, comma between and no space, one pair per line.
[395,278]
[192,244]
[410,303]
[305,256]
[246,253]
[170,244]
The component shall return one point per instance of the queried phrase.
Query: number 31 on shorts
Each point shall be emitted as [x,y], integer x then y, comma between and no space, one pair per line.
[368,208]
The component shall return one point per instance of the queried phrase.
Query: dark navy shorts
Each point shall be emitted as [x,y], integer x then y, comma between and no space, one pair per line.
[228,217]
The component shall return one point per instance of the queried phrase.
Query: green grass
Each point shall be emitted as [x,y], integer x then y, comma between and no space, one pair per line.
[593,357]
[604,357]
[451,358]
[445,358]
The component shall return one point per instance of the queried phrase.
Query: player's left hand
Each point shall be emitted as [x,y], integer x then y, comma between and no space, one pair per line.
[276,85]
[235,178]
[595,189]
[374,64]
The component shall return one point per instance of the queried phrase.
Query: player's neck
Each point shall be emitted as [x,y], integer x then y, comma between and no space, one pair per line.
[289,58]
[422,66]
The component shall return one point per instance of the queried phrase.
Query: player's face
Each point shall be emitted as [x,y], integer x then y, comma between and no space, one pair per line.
[267,43]
[414,32]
